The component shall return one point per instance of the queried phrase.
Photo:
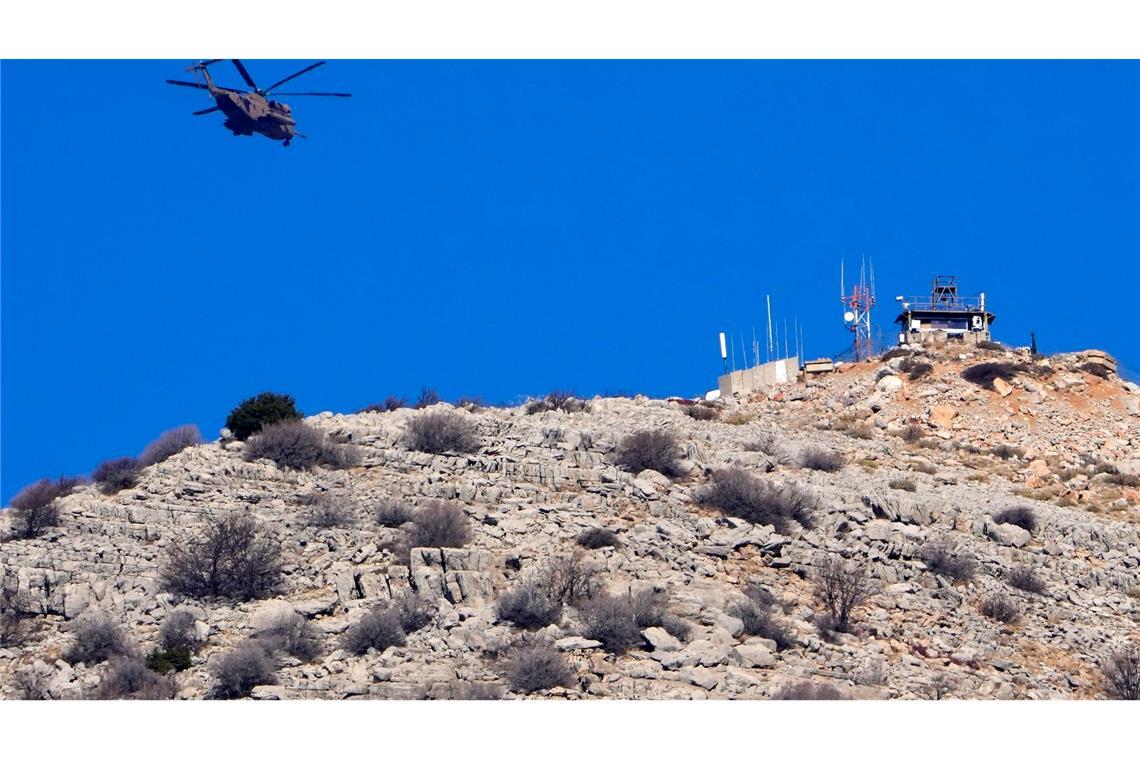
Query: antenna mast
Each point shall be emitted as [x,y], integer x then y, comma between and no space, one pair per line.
[857,311]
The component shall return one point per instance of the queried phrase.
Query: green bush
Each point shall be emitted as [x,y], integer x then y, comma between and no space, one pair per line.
[253,414]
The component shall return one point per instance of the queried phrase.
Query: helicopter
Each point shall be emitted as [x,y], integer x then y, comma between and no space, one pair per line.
[252,111]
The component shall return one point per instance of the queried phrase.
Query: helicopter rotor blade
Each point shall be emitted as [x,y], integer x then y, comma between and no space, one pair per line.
[205,111]
[317,94]
[245,74]
[293,76]
[187,84]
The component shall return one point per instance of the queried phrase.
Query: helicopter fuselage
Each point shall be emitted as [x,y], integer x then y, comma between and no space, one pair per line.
[249,113]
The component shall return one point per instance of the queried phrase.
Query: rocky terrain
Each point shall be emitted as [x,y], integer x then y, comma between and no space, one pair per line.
[928,459]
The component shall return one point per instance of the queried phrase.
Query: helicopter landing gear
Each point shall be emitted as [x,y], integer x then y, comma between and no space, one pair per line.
[285,144]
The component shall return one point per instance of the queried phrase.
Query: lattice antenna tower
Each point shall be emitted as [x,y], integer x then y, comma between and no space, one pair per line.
[857,306]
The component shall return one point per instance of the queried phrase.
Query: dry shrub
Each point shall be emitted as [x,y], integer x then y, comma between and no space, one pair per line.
[291,633]
[1000,608]
[389,404]
[737,492]
[392,513]
[178,630]
[912,433]
[170,443]
[557,401]
[14,608]
[116,475]
[611,619]
[529,606]
[442,432]
[428,397]
[758,621]
[1026,579]
[238,671]
[597,538]
[737,418]
[571,579]
[377,630]
[294,445]
[537,666]
[914,368]
[649,450]
[31,685]
[441,523]
[130,678]
[414,611]
[806,690]
[904,484]
[1121,673]
[843,587]
[324,510]
[33,509]
[702,412]
[232,558]
[1021,516]
[862,431]
[677,627]
[1005,451]
[821,459]
[948,560]
[983,375]
[95,638]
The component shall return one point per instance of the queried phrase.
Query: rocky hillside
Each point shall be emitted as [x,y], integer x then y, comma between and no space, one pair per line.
[962,604]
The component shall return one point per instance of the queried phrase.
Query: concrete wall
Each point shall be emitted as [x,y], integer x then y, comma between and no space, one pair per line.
[756,378]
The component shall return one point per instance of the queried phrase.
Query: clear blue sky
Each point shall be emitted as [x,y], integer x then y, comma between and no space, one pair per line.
[504,228]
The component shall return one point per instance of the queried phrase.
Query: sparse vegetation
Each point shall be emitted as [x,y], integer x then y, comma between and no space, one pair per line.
[377,630]
[843,587]
[14,608]
[649,606]
[1121,673]
[677,627]
[441,523]
[914,368]
[291,633]
[701,412]
[597,538]
[557,401]
[251,415]
[238,671]
[904,484]
[528,606]
[95,638]
[821,459]
[116,475]
[983,375]
[571,579]
[1001,608]
[611,620]
[177,640]
[325,510]
[806,690]
[294,445]
[649,450]
[34,508]
[1025,578]
[170,443]
[130,678]
[392,513]
[738,493]
[414,611]
[944,558]
[389,404]
[30,685]
[442,432]
[232,558]
[758,621]
[428,397]
[536,666]
[1005,451]
[1022,517]
[912,433]
[861,431]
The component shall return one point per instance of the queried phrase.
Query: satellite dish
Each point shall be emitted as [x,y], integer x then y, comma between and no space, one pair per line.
[848,316]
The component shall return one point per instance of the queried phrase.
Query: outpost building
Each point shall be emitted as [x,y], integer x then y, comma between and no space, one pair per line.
[944,316]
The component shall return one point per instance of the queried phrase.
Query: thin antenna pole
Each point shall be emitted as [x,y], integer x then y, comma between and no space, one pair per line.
[786,337]
[732,340]
[796,334]
[769,298]
[755,348]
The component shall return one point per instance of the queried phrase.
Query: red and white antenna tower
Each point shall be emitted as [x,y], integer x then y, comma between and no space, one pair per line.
[857,307]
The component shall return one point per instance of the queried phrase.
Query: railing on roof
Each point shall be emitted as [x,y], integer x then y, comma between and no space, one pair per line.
[956,304]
